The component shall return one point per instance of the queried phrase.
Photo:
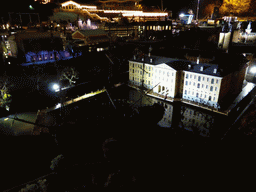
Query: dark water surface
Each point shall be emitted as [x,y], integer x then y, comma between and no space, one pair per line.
[186,142]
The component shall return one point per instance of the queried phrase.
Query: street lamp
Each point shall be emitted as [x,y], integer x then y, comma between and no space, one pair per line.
[197,10]
[253,70]
[56,87]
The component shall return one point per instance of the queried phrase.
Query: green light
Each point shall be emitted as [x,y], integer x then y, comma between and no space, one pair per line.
[30,7]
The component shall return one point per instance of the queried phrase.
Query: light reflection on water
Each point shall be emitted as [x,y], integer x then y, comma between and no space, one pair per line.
[181,116]
[177,116]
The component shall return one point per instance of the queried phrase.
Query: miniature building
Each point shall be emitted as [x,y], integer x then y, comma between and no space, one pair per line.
[121,8]
[91,36]
[201,83]
[38,46]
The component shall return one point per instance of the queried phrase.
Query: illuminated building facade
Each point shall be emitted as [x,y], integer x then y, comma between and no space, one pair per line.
[43,1]
[119,4]
[108,8]
[162,74]
[38,46]
[92,37]
[200,83]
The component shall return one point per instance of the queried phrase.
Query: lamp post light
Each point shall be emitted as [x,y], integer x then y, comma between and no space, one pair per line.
[197,10]
[253,70]
[56,87]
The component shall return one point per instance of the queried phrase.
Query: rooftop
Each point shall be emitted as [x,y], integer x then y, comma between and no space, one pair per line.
[95,32]
[221,65]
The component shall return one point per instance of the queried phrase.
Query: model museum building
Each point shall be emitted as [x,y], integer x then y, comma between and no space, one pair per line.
[204,83]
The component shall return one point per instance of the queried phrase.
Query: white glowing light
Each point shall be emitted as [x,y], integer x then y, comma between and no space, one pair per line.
[253,70]
[122,11]
[182,15]
[145,14]
[56,87]
[77,5]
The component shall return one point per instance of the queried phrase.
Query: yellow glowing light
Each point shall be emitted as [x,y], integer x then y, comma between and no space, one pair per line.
[78,5]
[122,11]
[6,119]
[143,14]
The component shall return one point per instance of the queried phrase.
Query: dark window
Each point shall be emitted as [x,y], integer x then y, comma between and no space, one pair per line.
[212,81]
[211,88]
[210,98]
[198,85]
[199,78]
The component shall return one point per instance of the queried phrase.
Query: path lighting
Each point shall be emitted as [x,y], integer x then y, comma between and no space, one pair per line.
[56,87]
[253,70]
[182,15]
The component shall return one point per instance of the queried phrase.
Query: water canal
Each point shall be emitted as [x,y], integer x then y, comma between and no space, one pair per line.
[184,131]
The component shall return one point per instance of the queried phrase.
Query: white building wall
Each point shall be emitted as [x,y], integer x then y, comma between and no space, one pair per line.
[201,88]
[164,80]
[136,74]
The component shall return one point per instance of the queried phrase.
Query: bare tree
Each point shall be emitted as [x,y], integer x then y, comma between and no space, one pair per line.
[70,74]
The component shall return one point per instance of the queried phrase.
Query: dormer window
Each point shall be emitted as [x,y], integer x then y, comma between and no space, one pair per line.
[215,70]
[151,60]
[142,59]
[189,66]
[201,68]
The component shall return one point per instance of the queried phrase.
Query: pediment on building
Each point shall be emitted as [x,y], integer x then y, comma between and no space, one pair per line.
[78,35]
[164,66]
